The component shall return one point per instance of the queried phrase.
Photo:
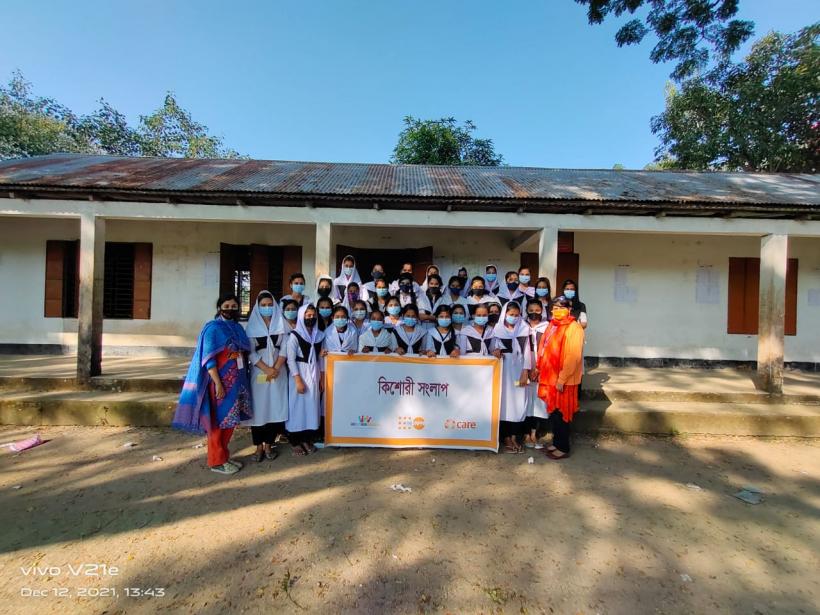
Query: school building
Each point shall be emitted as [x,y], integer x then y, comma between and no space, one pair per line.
[112,255]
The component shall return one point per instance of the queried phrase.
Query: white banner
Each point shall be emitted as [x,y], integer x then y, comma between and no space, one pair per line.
[392,401]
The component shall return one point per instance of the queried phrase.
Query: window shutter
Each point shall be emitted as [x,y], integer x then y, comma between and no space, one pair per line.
[227,268]
[55,253]
[566,242]
[259,263]
[790,324]
[423,258]
[744,296]
[291,263]
[143,257]
[529,260]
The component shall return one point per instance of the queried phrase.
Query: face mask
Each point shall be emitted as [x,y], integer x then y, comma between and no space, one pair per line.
[542,292]
[490,277]
[230,314]
[435,291]
[376,325]
[310,322]
[456,290]
[534,315]
[409,321]
[481,320]
[348,271]
[462,276]
[524,279]
[512,285]
[340,323]
[459,319]
[393,310]
[324,291]
[493,318]
[266,310]
[478,292]
[511,320]
[353,296]
[444,322]
[560,313]
[405,288]
[290,314]
[359,314]
[325,312]
[382,292]
[569,294]
[297,288]
[377,275]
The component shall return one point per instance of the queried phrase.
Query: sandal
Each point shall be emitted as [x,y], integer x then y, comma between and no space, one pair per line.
[298,451]
[309,448]
[554,457]
[225,468]
[259,456]
[510,450]
[271,454]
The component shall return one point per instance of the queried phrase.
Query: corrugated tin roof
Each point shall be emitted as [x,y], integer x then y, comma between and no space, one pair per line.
[111,174]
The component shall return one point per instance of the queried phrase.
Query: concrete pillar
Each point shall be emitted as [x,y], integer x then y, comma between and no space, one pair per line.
[548,256]
[773,261]
[90,312]
[325,251]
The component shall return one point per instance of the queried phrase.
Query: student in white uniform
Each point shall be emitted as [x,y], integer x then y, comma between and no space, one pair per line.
[452,295]
[537,416]
[392,318]
[442,340]
[377,300]
[324,306]
[409,335]
[478,295]
[297,290]
[506,290]
[324,288]
[290,311]
[405,268]
[407,296]
[463,277]
[543,293]
[377,339]
[351,296]
[459,317]
[494,311]
[348,274]
[306,382]
[269,376]
[376,274]
[434,291]
[491,279]
[524,290]
[358,317]
[511,343]
[476,338]
[431,270]
[341,336]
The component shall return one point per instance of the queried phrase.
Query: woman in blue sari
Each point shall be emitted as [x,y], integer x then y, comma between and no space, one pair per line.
[216,395]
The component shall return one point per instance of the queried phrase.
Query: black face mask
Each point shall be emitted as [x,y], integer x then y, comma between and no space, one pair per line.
[493,318]
[324,292]
[455,290]
[377,275]
[512,285]
[478,292]
[434,291]
[230,314]
[533,315]
[405,288]
[310,322]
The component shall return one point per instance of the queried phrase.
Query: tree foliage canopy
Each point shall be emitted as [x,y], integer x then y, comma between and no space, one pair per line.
[762,114]
[443,141]
[690,33]
[33,126]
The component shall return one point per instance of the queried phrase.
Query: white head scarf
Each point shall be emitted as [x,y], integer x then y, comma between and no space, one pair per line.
[343,280]
[257,327]
[501,331]
[427,276]
[332,294]
[313,337]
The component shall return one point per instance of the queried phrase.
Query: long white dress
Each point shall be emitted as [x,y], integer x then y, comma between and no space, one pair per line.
[304,358]
[270,398]
[535,405]
[516,357]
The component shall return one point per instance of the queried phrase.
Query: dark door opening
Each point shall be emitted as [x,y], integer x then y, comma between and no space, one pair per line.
[390,259]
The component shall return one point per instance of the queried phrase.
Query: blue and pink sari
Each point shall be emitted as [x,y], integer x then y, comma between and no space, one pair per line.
[221,342]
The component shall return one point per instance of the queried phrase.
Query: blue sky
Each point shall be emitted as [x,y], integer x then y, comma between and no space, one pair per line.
[331,81]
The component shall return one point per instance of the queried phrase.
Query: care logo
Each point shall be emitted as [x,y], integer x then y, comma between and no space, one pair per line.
[364,420]
[411,422]
[460,424]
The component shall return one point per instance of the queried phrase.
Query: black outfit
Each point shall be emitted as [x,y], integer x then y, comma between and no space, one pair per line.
[511,428]
[266,434]
[540,425]
[560,431]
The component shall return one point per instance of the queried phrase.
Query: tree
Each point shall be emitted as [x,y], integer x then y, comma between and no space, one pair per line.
[34,126]
[762,114]
[690,32]
[443,141]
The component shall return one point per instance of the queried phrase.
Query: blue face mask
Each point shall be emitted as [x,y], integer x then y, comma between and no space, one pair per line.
[490,277]
[382,292]
[290,314]
[376,325]
[266,310]
[512,285]
[456,290]
[348,271]
[459,319]
[409,321]
[524,279]
[569,294]
[541,292]
[444,322]
[406,287]
[325,312]
[377,275]
[481,320]
[297,288]
[511,320]
[340,323]
[393,310]
[359,314]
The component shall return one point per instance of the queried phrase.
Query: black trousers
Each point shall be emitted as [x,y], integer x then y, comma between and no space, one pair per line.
[296,438]
[266,434]
[560,431]
[511,428]
[541,426]
[319,434]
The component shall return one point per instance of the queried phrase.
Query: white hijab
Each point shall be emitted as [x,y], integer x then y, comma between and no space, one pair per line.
[491,287]
[332,295]
[257,327]
[343,280]
[521,329]
[427,277]
[313,337]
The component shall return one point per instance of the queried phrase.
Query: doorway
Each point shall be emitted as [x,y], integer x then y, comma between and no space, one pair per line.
[568,261]
[390,259]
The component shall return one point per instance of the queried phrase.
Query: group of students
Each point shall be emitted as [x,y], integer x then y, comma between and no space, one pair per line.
[269,375]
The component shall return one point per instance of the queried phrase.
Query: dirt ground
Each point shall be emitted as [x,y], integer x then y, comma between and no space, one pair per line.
[614,529]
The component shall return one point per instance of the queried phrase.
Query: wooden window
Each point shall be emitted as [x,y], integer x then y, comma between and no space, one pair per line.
[127,286]
[62,286]
[568,265]
[247,270]
[744,296]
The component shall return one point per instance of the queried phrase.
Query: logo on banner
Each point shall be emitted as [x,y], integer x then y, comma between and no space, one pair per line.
[411,422]
[364,421]
[460,425]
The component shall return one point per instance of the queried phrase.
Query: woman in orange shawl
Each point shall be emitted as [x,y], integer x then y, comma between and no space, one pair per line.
[559,362]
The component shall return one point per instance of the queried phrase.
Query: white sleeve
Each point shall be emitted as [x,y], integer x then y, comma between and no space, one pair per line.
[292,353]
[582,318]
[527,356]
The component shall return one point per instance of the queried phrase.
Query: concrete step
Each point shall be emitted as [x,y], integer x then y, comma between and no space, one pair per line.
[136,408]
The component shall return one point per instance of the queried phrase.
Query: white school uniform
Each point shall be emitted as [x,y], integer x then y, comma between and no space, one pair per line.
[441,344]
[517,357]
[472,302]
[286,298]
[491,287]
[360,328]
[522,295]
[421,301]
[535,405]
[270,398]
[378,343]
[332,295]
[341,281]
[394,287]
[304,358]
[475,343]
[341,341]
[412,342]
[447,299]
